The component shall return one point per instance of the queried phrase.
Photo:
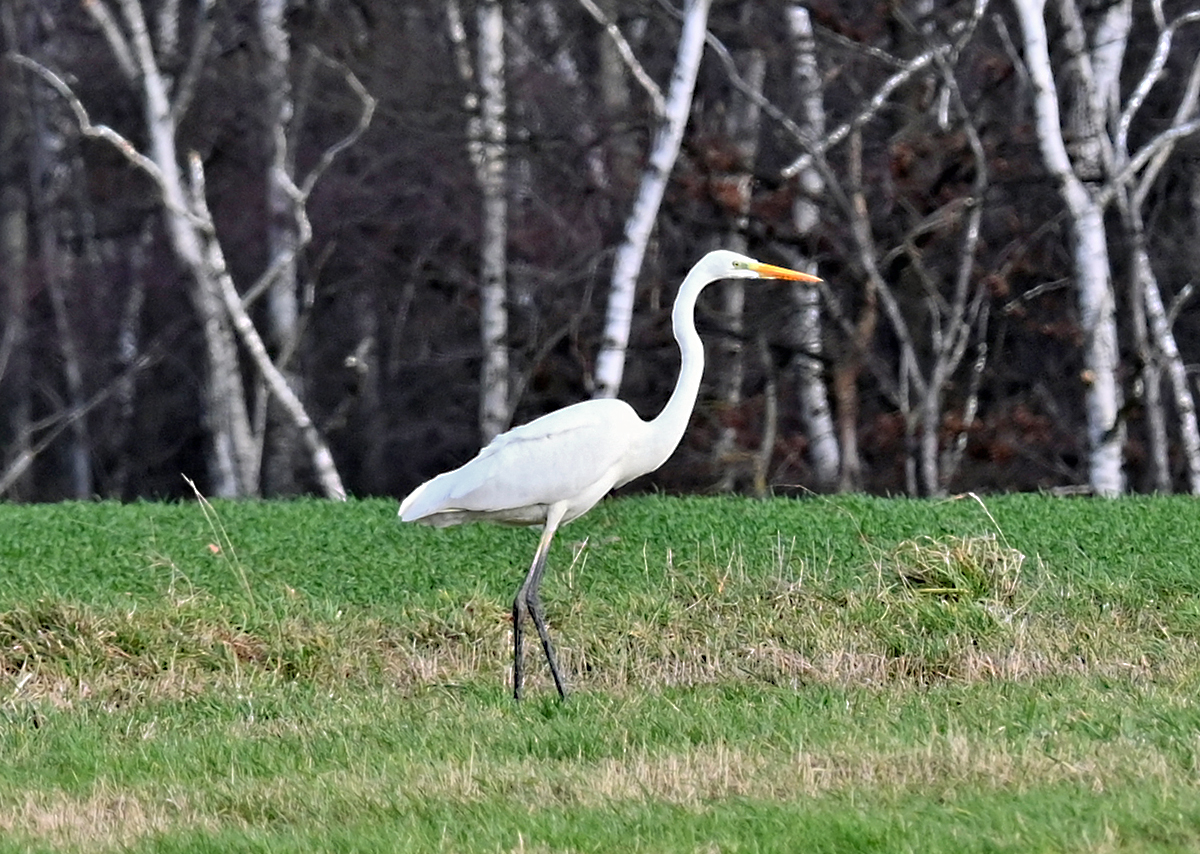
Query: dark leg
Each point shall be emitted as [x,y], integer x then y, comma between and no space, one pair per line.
[527,602]
[518,620]
[539,621]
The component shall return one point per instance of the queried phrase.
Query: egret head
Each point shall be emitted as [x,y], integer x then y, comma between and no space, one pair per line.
[723,264]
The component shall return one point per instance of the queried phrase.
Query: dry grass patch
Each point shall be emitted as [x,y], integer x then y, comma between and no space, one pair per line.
[982,567]
[928,610]
[712,772]
[103,820]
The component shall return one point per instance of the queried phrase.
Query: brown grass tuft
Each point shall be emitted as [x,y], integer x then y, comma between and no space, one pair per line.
[99,821]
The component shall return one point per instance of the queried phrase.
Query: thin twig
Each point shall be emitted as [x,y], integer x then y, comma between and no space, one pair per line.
[1150,77]
[104,132]
[657,99]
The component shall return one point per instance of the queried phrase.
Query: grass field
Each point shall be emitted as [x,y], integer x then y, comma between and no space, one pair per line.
[848,674]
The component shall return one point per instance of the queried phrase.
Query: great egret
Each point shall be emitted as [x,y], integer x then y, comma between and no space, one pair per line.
[557,467]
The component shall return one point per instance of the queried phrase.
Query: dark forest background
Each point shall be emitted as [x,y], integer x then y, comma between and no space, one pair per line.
[102,352]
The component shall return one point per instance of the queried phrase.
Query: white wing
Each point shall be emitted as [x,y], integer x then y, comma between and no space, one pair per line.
[574,454]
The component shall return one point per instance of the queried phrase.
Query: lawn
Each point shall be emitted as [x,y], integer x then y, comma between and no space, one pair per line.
[849,674]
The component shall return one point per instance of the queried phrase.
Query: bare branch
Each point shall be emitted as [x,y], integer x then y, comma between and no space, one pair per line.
[1187,106]
[1180,300]
[962,32]
[838,135]
[60,421]
[1150,77]
[205,26]
[364,121]
[1158,144]
[215,260]
[657,100]
[117,42]
[86,127]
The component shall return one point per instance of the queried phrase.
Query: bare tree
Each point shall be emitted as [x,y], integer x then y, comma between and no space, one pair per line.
[952,304]
[1153,326]
[277,433]
[233,460]
[806,327]
[1095,168]
[196,244]
[610,362]
[487,132]
[1093,280]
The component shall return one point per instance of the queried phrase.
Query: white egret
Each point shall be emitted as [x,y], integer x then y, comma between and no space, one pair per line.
[557,467]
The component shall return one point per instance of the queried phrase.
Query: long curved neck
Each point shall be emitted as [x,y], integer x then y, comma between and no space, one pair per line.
[667,429]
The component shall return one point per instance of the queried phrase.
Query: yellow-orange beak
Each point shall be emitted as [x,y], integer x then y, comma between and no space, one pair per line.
[770,271]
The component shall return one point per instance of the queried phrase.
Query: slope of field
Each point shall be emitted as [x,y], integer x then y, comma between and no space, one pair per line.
[840,674]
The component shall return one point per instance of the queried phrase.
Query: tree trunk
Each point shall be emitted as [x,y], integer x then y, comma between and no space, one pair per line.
[281,440]
[1155,338]
[805,326]
[16,409]
[610,363]
[15,402]
[1092,271]
[741,129]
[493,179]
[484,104]
[55,172]
[233,457]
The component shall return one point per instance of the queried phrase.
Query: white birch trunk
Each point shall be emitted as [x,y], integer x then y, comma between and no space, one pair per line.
[1152,323]
[1091,264]
[217,271]
[610,363]
[1108,55]
[806,301]
[493,179]
[233,459]
[280,442]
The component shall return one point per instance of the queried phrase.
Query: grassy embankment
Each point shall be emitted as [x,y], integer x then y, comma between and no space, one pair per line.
[817,675]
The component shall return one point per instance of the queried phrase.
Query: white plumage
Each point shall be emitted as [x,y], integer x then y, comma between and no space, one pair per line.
[557,467]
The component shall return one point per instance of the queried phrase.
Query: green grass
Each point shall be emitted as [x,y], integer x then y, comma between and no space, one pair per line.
[853,674]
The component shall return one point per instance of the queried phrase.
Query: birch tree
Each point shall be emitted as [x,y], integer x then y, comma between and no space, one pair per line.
[485,104]
[194,239]
[952,302]
[278,434]
[805,327]
[1156,338]
[1096,168]
[1093,282]
[233,460]
[627,264]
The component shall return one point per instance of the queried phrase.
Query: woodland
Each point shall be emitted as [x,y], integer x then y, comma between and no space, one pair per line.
[270,248]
